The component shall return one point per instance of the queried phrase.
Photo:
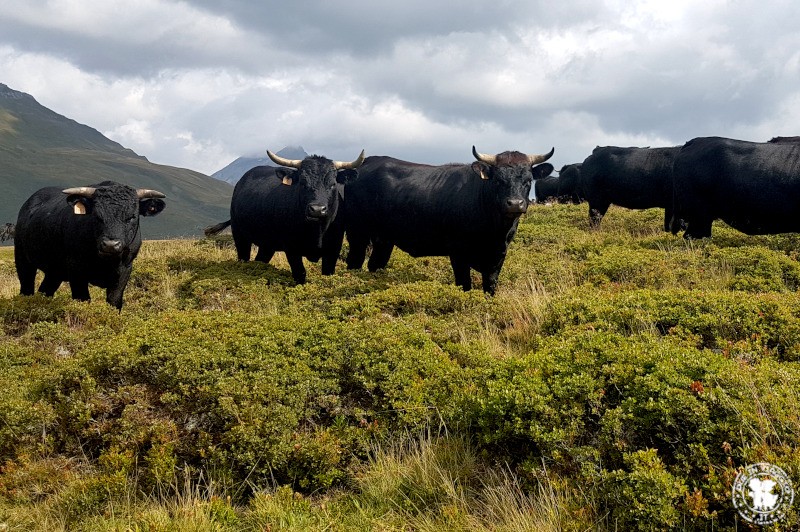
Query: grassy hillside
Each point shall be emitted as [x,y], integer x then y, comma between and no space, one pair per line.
[618,381]
[41,148]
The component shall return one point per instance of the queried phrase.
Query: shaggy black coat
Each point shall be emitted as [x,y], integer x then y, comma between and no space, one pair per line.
[294,211]
[94,243]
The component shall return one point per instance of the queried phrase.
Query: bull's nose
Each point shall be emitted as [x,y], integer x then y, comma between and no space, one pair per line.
[517,205]
[111,246]
[317,211]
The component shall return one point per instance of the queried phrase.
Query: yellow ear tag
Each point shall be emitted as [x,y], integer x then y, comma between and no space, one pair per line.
[79,208]
[483,176]
[287,180]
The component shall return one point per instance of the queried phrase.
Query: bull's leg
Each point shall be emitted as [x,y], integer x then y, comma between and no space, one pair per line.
[27,277]
[332,247]
[115,291]
[490,281]
[461,272]
[698,228]
[242,248]
[80,289]
[490,273]
[49,285]
[381,252]
[264,254]
[668,219]
[358,250]
[596,213]
[298,270]
[329,263]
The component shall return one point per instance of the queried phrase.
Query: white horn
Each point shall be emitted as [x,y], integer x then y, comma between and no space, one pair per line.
[339,165]
[484,158]
[86,192]
[291,163]
[146,193]
[536,159]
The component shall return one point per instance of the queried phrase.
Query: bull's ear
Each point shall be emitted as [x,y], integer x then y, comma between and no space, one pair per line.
[540,171]
[80,204]
[482,169]
[286,176]
[151,206]
[346,176]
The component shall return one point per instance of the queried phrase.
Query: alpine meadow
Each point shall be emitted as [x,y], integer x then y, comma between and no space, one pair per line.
[618,380]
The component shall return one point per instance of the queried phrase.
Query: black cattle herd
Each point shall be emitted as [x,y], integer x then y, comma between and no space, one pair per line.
[467,212]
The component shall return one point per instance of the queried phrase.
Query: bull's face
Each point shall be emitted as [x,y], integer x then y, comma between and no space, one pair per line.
[320,181]
[317,181]
[113,211]
[508,178]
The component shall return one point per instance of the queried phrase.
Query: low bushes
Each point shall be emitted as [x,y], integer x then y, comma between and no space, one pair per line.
[628,372]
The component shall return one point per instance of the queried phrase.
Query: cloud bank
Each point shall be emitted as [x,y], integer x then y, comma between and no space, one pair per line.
[198,83]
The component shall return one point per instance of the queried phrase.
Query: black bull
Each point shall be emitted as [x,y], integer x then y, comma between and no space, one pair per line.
[635,178]
[291,210]
[87,235]
[752,186]
[562,188]
[466,212]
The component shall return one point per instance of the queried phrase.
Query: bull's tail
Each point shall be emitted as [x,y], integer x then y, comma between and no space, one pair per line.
[216,229]
[7,232]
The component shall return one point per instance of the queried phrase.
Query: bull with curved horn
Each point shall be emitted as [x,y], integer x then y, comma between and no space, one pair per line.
[295,208]
[466,212]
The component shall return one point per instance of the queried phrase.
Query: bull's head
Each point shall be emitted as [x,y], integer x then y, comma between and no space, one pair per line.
[320,181]
[114,211]
[508,177]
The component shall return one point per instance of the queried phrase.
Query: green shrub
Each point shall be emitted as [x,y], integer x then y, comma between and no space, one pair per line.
[645,495]
[757,269]
[19,312]
[629,366]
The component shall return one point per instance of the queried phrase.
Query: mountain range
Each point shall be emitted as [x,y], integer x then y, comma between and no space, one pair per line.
[39,148]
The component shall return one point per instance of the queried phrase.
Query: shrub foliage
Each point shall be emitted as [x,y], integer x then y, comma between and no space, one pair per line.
[623,363]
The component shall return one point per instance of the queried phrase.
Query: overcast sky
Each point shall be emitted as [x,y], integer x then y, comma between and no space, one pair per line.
[198,83]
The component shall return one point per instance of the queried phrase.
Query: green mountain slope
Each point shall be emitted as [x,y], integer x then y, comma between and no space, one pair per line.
[39,147]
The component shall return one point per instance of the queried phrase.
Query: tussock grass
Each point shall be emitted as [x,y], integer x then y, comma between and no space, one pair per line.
[441,483]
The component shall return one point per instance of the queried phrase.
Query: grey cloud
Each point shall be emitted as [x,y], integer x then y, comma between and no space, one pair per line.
[338,76]
[365,28]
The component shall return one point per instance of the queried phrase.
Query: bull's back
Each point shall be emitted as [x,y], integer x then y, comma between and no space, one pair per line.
[637,178]
[424,210]
[754,187]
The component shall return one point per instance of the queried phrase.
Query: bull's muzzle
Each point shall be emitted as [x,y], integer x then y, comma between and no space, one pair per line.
[316,211]
[110,247]
[516,206]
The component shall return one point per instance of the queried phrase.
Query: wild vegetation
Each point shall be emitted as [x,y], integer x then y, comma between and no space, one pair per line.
[618,380]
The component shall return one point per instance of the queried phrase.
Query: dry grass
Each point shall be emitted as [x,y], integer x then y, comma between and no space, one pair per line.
[439,483]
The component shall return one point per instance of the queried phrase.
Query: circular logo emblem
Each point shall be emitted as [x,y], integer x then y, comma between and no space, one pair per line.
[762,493]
